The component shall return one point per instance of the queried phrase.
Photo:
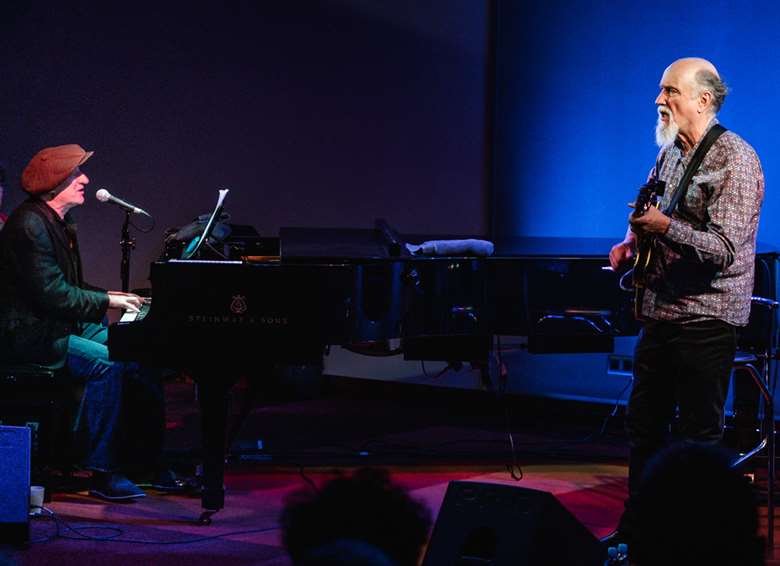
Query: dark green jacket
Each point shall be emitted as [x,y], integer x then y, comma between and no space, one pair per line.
[43,296]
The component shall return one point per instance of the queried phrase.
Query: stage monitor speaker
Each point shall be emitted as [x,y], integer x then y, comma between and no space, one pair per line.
[504,525]
[14,485]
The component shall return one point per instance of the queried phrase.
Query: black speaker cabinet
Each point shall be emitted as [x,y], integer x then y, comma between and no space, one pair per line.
[504,525]
[14,485]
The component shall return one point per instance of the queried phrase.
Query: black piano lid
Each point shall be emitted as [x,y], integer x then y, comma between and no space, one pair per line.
[346,244]
[367,243]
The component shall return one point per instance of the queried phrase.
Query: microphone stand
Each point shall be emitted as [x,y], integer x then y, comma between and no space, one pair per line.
[128,244]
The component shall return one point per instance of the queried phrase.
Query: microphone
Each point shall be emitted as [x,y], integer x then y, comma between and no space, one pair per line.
[104,196]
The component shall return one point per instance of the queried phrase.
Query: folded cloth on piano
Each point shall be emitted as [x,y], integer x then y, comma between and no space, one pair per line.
[452,247]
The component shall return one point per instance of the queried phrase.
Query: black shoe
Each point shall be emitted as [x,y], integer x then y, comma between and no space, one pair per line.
[618,540]
[114,487]
[167,481]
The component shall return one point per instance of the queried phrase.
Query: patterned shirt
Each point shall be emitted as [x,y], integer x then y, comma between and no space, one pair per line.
[703,267]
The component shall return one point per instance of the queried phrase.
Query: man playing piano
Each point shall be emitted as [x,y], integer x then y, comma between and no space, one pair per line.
[50,316]
[699,281]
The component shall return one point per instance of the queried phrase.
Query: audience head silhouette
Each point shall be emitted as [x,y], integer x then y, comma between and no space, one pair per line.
[696,509]
[364,519]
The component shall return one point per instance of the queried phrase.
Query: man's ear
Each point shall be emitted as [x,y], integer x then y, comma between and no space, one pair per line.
[705,100]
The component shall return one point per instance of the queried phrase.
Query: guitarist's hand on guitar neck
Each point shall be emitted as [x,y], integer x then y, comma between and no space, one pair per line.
[644,220]
[652,221]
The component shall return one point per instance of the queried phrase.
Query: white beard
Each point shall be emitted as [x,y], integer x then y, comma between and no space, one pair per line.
[665,134]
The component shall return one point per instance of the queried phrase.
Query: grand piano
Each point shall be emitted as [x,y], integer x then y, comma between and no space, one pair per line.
[314,287]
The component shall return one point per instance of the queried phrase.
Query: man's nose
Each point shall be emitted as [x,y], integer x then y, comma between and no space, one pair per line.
[84,178]
[660,99]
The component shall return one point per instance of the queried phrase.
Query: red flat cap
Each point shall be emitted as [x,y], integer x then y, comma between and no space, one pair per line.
[51,166]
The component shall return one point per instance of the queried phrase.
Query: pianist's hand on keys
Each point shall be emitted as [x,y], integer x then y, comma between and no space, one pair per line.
[138,315]
[125,301]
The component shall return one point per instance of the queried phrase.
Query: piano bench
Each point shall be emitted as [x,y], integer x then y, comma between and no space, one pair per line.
[44,400]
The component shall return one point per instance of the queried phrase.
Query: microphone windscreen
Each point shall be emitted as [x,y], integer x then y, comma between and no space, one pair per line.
[103,195]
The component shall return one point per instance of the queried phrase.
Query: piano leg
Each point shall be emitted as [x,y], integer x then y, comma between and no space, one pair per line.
[212,396]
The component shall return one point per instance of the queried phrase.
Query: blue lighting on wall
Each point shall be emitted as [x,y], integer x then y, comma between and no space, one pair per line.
[576,84]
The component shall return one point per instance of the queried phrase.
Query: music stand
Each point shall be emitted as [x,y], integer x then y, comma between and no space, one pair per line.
[194,247]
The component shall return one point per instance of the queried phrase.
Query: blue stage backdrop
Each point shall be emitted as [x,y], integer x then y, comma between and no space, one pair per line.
[575,116]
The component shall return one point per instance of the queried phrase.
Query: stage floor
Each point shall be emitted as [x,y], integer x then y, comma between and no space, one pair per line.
[425,440]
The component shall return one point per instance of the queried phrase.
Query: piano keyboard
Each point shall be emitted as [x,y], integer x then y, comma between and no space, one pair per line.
[128,316]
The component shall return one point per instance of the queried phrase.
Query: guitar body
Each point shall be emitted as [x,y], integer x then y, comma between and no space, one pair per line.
[648,196]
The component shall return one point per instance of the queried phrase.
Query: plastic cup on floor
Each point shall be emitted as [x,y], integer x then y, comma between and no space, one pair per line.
[36,499]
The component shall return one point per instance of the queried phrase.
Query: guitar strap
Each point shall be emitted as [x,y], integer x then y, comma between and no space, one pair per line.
[693,166]
[682,188]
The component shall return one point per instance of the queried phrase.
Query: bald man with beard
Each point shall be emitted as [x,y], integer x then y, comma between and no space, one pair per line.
[700,277]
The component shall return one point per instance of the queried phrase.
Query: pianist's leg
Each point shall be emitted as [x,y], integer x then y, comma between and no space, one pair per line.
[143,428]
[141,421]
[100,410]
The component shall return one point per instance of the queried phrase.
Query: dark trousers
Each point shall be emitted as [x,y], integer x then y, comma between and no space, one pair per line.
[678,368]
[122,410]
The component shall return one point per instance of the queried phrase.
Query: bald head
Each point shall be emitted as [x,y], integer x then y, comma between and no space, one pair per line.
[701,78]
[689,66]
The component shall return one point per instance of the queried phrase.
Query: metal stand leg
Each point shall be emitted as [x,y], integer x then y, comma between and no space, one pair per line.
[761,380]
[212,397]
[769,418]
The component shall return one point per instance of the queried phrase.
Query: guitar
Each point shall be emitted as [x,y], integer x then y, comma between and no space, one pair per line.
[649,196]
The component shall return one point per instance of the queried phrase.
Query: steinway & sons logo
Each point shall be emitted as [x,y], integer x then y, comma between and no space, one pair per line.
[238,308]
